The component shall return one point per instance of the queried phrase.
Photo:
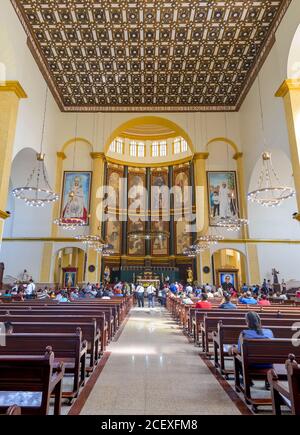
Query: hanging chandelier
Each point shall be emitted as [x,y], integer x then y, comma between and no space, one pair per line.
[91,241]
[269,192]
[209,239]
[232,223]
[104,250]
[148,235]
[69,224]
[37,191]
[195,250]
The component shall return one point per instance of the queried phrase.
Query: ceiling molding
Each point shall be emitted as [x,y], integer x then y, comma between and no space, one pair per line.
[193,56]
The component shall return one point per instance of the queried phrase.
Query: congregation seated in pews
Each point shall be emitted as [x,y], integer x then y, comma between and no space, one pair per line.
[249,336]
[51,348]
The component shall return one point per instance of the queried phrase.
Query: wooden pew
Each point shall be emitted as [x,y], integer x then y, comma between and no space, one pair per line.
[105,324]
[282,395]
[59,318]
[210,321]
[68,348]
[253,362]
[33,373]
[90,334]
[228,335]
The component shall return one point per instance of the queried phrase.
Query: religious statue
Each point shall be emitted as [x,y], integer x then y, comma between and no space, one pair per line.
[190,276]
[107,274]
[275,274]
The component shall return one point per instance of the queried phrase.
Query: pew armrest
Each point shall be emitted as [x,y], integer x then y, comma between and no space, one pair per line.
[273,380]
[84,348]
[57,377]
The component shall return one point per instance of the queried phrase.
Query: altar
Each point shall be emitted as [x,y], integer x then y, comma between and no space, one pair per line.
[148,278]
[146,282]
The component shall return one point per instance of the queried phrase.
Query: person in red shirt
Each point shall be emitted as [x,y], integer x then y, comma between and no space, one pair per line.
[204,302]
[264,301]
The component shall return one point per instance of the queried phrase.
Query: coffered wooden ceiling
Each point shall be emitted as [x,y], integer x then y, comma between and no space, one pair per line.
[150,55]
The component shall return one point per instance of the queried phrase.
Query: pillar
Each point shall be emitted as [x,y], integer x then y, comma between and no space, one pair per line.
[60,157]
[205,257]
[46,263]
[241,187]
[290,92]
[10,95]
[253,264]
[201,202]
[201,192]
[96,215]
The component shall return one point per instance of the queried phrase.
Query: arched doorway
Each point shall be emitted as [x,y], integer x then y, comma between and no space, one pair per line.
[70,264]
[229,262]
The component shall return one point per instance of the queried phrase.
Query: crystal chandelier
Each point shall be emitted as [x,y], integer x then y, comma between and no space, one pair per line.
[269,192]
[104,250]
[148,235]
[37,191]
[195,250]
[91,241]
[209,239]
[69,224]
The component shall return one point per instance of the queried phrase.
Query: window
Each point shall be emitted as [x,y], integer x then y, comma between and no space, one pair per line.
[117,146]
[180,145]
[155,149]
[163,149]
[141,149]
[159,149]
[132,150]
[177,146]
[137,149]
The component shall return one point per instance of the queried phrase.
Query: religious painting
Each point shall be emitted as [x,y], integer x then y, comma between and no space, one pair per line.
[182,199]
[222,196]
[137,190]
[114,177]
[159,183]
[70,278]
[227,277]
[183,236]
[160,246]
[76,194]
[113,235]
[136,246]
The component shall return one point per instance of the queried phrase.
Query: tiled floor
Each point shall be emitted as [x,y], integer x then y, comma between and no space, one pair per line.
[153,370]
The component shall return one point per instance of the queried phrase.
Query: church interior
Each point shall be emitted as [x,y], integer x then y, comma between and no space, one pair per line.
[149,204]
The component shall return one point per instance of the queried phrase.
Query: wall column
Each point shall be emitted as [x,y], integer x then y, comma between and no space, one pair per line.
[60,157]
[253,264]
[10,95]
[241,187]
[96,215]
[290,92]
[201,202]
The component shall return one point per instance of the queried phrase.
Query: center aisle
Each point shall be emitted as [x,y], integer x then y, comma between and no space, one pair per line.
[153,370]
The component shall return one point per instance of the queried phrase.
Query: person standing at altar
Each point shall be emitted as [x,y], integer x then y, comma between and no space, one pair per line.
[151,295]
[140,293]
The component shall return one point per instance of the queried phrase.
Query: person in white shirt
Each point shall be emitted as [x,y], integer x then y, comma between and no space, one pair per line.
[189,289]
[210,295]
[151,293]
[29,290]
[140,293]
[207,288]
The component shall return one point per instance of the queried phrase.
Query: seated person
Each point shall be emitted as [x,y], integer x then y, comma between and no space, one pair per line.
[247,299]
[255,331]
[9,329]
[227,304]
[264,301]
[7,294]
[204,302]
